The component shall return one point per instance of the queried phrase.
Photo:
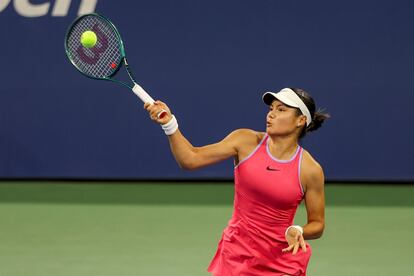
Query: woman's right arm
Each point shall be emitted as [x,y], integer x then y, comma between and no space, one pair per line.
[190,157]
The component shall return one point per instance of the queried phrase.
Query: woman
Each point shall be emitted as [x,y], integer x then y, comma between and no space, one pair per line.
[272,176]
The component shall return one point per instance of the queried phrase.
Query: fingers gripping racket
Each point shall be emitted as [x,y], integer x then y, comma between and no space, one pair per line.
[104,58]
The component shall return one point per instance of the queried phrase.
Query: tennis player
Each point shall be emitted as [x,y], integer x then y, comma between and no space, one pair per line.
[272,175]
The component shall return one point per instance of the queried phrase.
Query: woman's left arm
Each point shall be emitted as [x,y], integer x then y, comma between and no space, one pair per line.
[314,181]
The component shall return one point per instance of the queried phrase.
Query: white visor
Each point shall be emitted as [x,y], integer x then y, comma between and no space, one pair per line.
[290,98]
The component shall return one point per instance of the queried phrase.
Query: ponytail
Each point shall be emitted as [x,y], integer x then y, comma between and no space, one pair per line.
[318,117]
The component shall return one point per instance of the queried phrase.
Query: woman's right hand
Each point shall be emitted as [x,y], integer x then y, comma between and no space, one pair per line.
[157,108]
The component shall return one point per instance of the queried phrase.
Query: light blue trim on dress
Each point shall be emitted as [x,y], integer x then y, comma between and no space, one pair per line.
[300,162]
[281,161]
[253,152]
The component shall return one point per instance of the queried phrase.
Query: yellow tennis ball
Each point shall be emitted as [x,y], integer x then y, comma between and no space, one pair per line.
[88,39]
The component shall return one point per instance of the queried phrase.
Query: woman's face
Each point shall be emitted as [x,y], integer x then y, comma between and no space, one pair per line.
[283,120]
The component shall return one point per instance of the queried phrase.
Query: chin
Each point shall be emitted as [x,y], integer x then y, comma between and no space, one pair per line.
[273,132]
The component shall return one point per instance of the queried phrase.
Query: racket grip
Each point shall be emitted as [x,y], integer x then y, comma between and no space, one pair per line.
[146,98]
[140,92]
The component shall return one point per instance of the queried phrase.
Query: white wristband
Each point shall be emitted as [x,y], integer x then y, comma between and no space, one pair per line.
[295,226]
[170,127]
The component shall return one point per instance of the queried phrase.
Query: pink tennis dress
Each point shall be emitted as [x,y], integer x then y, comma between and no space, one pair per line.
[267,194]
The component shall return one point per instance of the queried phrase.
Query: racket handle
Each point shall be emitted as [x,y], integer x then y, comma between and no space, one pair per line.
[140,92]
[146,98]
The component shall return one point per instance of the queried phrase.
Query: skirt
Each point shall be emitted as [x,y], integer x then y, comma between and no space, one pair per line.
[243,253]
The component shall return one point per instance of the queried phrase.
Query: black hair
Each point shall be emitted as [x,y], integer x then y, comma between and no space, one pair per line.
[318,116]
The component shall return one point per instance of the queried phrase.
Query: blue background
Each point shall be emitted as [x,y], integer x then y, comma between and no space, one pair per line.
[210,61]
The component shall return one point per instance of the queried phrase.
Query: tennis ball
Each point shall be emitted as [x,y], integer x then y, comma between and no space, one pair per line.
[88,39]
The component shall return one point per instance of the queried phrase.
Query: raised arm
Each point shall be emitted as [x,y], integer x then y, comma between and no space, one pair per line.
[190,157]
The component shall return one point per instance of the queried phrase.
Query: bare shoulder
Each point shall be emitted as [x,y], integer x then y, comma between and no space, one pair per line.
[246,140]
[246,137]
[311,171]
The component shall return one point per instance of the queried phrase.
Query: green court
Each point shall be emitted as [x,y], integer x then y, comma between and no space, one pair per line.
[110,228]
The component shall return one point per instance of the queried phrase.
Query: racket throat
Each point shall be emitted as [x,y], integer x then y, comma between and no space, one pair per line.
[129,71]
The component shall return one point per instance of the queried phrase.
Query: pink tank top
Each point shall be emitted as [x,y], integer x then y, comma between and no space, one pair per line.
[268,191]
[267,194]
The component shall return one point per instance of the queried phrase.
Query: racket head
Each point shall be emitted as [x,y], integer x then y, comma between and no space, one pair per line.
[104,59]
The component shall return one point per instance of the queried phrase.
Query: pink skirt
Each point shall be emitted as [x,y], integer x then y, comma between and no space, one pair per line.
[241,253]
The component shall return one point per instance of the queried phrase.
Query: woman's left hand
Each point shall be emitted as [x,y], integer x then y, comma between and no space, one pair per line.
[295,240]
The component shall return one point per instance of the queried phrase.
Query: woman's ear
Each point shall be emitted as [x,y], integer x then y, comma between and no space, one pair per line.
[302,121]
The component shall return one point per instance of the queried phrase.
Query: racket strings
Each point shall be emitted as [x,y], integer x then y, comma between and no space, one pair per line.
[102,60]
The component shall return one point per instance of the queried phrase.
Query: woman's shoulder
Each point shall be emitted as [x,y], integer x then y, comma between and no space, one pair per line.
[249,136]
[310,167]
[247,141]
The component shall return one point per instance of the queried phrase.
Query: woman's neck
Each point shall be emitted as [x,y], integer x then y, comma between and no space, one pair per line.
[283,148]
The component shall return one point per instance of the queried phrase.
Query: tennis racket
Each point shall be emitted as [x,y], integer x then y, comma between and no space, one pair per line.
[106,57]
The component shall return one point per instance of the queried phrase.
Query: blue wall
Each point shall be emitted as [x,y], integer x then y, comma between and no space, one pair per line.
[210,60]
